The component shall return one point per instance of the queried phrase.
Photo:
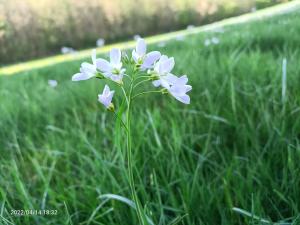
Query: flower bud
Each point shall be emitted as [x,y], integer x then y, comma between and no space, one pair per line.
[120,82]
[111,107]
[154,76]
[164,91]
[99,75]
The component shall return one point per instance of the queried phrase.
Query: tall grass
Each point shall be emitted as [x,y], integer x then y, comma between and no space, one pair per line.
[236,145]
[31,29]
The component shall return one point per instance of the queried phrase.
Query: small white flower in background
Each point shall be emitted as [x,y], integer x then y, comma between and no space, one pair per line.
[106,97]
[253,9]
[67,50]
[52,83]
[100,42]
[190,27]
[215,40]
[162,69]
[87,70]
[207,42]
[142,58]
[178,88]
[180,37]
[136,37]
[161,44]
[112,69]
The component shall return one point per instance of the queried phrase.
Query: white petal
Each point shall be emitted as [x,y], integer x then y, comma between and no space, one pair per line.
[107,74]
[188,88]
[165,83]
[106,90]
[115,56]
[141,47]
[150,59]
[86,65]
[81,76]
[135,56]
[183,79]
[116,78]
[163,58]
[87,68]
[184,99]
[103,65]
[172,79]
[178,89]
[167,65]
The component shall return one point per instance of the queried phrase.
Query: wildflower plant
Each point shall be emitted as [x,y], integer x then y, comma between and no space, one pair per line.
[129,74]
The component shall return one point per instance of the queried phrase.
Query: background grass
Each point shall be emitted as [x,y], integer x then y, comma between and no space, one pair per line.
[236,145]
[32,29]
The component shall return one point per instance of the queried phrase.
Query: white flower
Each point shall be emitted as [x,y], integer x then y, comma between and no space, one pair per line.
[52,83]
[218,30]
[140,57]
[112,69]
[215,40]
[100,42]
[161,44]
[162,69]
[190,27]
[136,37]
[207,42]
[180,37]
[87,70]
[106,97]
[67,50]
[179,88]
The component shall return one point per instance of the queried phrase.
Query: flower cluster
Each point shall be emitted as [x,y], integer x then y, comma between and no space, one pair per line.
[152,66]
[129,73]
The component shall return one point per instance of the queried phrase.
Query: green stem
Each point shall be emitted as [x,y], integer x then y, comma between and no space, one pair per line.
[139,83]
[122,122]
[129,158]
[124,92]
[146,92]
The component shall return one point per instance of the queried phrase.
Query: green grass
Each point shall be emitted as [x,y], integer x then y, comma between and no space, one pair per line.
[236,145]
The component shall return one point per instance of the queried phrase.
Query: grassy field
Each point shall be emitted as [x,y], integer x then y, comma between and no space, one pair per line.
[236,145]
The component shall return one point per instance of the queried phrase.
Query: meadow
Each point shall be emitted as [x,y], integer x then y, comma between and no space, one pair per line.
[41,28]
[235,147]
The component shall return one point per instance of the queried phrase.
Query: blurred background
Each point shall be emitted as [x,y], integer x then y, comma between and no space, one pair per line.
[30,29]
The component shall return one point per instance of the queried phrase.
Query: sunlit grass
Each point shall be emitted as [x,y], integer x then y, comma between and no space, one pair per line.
[231,157]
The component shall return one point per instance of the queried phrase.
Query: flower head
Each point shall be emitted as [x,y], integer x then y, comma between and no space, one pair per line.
[67,50]
[145,60]
[52,83]
[112,69]
[162,69]
[215,40]
[136,37]
[207,42]
[179,88]
[106,97]
[161,44]
[87,70]
[100,42]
